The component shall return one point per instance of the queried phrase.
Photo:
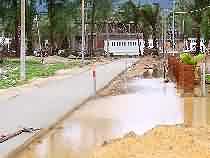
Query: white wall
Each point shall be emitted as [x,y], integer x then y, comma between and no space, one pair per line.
[122,47]
[7,40]
[193,44]
[126,47]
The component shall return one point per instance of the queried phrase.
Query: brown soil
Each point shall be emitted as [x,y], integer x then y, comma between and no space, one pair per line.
[116,87]
[161,142]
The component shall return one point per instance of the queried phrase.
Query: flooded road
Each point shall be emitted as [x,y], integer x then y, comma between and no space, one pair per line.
[147,103]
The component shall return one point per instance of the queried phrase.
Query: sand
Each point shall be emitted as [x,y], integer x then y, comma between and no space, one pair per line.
[160,142]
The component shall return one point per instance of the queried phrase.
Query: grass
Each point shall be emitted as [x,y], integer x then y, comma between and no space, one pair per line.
[208,78]
[34,69]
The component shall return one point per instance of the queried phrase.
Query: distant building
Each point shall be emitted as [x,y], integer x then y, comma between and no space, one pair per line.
[190,44]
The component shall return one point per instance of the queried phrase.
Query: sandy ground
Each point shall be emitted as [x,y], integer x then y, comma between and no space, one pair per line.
[137,70]
[161,142]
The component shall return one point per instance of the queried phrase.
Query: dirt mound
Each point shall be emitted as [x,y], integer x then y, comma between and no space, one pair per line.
[161,142]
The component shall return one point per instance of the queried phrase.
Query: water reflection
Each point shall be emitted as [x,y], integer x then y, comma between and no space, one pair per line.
[197,111]
[148,103]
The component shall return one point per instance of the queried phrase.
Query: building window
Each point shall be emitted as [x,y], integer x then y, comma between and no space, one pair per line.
[124,43]
[119,43]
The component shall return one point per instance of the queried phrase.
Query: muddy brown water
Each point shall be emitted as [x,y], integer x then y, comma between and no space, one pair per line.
[147,103]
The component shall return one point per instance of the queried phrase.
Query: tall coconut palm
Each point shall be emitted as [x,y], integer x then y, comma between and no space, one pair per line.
[129,12]
[30,15]
[197,17]
[10,13]
[151,16]
[205,27]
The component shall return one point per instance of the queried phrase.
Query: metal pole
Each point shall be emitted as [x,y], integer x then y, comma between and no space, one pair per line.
[83,30]
[107,37]
[173,28]
[39,38]
[183,33]
[94,80]
[22,51]
[204,79]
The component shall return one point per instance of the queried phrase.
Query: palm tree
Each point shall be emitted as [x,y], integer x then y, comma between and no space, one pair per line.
[197,17]
[100,12]
[151,17]
[205,27]
[129,12]
[10,15]
[30,14]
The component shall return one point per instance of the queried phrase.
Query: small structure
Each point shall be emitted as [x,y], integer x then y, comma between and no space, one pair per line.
[125,45]
[190,44]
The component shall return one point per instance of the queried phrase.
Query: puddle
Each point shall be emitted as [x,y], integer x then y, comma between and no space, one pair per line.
[147,103]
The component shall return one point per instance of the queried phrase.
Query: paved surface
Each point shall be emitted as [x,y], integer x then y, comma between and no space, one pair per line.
[41,106]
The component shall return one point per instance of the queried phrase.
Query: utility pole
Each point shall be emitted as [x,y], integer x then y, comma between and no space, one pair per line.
[107,36]
[22,51]
[173,27]
[83,30]
[163,34]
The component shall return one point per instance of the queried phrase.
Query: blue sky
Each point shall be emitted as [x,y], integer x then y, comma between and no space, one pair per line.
[163,3]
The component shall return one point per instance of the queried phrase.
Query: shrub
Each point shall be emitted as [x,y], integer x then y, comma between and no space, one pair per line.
[187,58]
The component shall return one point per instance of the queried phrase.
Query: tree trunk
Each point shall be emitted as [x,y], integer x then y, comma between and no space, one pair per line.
[29,21]
[154,37]
[17,30]
[198,40]
[146,40]
[50,16]
[92,27]
[17,37]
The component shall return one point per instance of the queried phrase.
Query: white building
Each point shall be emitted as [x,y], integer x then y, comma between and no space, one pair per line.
[6,42]
[190,44]
[128,47]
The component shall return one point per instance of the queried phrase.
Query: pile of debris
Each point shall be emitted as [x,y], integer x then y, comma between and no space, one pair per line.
[161,142]
[3,74]
[7,136]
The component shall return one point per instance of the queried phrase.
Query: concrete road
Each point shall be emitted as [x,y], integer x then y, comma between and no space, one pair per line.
[40,107]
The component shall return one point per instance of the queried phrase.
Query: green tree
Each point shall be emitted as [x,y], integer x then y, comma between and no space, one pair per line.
[197,17]
[10,15]
[30,15]
[205,27]
[151,16]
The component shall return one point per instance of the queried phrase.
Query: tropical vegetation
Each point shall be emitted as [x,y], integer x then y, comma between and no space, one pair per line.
[196,19]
